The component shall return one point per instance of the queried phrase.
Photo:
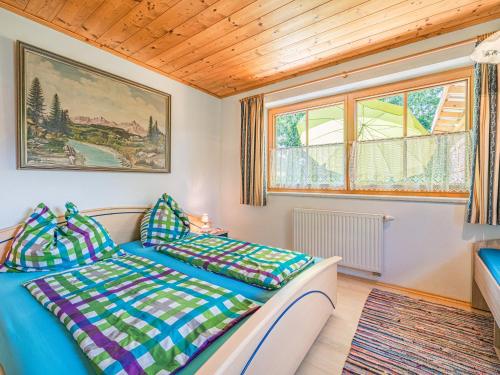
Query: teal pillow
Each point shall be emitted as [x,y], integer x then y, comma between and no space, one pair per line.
[163,223]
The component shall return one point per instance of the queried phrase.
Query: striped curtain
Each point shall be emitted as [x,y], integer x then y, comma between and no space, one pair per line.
[253,189]
[483,206]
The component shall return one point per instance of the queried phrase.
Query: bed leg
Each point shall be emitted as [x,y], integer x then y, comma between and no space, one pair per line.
[478,301]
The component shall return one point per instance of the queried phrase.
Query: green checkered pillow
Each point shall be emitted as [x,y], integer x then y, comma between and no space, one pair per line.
[83,239]
[163,223]
[33,247]
[42,245]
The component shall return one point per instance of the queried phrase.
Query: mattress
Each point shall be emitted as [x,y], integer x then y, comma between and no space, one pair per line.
[33,341]
[491,258]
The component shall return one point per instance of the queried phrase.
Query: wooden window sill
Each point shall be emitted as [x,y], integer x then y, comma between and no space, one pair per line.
[404,198]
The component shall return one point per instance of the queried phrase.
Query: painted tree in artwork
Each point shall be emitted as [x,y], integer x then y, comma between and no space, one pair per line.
[58,120]
[156,132]
[35,105]
[54,119]
[64,122]
[150,128]
[153,131]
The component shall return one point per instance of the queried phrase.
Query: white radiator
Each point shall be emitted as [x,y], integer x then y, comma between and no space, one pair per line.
[357,238]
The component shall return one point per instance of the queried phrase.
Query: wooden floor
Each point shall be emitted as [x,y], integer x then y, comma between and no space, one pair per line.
[329,352]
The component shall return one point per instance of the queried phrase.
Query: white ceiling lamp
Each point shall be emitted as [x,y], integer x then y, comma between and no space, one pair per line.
[488,51]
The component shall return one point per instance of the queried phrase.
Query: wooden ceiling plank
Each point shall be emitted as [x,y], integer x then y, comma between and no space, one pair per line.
[81,38]
[331,58]
[135,20]
[378,9]
[272,60]
[270,20]
[74,13]
[452,104]
[241,25]
[311,63]
[303,39]
[46,9]
[455,89]
[210,16]
[316,15]
[226,53]
[446,115]
[105,16]
[19,4]
[447,122]
[175,16]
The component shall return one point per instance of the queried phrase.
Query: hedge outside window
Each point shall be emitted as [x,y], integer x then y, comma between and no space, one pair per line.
[408,138]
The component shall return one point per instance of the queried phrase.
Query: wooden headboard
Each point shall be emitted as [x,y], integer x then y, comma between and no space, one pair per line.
[122,223]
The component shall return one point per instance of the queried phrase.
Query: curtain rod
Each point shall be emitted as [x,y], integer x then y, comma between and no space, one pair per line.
[368,67]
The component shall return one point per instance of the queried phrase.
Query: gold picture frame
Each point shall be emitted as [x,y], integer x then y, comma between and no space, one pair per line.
[73,116]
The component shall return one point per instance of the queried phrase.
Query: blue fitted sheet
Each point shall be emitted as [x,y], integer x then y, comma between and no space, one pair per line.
[491,258]
[33,341]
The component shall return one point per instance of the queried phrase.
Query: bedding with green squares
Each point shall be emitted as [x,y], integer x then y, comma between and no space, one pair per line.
[263,266]
[131,315]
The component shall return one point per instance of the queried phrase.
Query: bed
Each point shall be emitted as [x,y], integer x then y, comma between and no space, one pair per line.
[290,317]
[486,282]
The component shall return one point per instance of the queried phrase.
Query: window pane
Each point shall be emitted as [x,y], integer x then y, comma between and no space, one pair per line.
[439,109]
[312,167]
[380,118]
[326,125]
[319,165]
[433,163]
[290,130]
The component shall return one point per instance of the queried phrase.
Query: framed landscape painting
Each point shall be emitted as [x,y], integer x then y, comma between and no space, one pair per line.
[73,116]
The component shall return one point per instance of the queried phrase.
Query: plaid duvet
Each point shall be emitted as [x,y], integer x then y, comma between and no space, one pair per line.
[264,266]
[131,315]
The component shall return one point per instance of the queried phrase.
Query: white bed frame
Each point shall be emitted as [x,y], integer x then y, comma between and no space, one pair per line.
[485,289]
[276,338]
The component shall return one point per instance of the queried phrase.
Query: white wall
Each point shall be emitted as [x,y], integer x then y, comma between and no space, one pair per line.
[195,138]
[427,247]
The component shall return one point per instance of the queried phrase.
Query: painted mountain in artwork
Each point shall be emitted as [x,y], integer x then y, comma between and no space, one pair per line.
[132,127]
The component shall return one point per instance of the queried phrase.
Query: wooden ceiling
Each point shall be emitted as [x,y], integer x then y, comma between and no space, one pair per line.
[228,46]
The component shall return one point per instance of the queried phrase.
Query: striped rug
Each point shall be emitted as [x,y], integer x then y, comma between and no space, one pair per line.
[402,335]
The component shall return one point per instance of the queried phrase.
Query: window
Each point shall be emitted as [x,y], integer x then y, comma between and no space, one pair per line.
[405,138]
[309,148]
